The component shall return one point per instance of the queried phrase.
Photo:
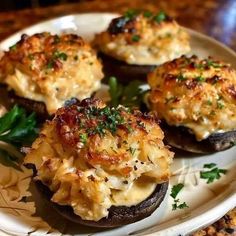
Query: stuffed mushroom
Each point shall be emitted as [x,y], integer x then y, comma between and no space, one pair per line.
[101,166]
[136,42]
[42,71]
[196,101]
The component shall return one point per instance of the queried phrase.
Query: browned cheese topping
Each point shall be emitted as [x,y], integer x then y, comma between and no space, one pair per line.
[92,157]
[197,94]
[143,38]
[51,69]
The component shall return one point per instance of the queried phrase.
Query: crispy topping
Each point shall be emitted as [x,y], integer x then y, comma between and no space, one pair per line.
[205,90]
[90,154]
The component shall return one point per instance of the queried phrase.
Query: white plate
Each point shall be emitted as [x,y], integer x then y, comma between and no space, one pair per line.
[207,202]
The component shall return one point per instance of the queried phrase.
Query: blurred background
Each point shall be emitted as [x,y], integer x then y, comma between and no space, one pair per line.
[8,5]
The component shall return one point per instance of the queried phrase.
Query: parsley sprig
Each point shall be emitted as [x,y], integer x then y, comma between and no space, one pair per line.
[213,174]
[131,95]
[174,192]
[17,129]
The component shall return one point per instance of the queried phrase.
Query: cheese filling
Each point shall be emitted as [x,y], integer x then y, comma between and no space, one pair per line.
[103,169]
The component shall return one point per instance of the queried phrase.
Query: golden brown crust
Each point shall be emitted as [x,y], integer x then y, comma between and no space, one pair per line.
[143,38]
[89,152]
[51,68]
[197,94]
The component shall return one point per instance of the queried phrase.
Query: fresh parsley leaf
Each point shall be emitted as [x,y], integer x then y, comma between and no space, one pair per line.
[180,77]
[13,47]
[9,119]
[213,64]
[176,205]
[161,16]
[135,38]
[147,14]
[17,128]
[176,189]
[130,96]
[83,138]
[200,79]
[115,91]
[213,174]
[130,14]
[209,166]
[174,192]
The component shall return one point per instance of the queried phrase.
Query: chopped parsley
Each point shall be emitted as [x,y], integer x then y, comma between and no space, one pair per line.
[106,119]
[130,14]
[83,138]
[174,192]
[147,14]
[13,47]
[213,64]
[135,38]
[131,95]
[132,150]
[50,64]
[176,205]
[220,105]
[159,17]
[60,55]
[56,39]
[209,102]
[213,174]
[180,77]
[200,78]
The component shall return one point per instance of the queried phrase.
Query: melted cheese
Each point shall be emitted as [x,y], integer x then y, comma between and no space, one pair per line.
[52,72]
[122,168]
[157,43]
[188,92]
[138,191]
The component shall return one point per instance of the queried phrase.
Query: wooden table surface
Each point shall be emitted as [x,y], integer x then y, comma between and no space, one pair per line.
[216,18]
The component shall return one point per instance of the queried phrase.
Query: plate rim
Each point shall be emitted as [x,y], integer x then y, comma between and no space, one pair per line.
[231,198]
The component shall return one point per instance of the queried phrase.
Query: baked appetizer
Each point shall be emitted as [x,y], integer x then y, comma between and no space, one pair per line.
[101,166]
[42,71]
[196,100]
[136,42]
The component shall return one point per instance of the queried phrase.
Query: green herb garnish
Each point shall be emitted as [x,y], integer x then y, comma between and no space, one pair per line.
[209,102]
[108,119]
[17,129]
[132,150]
[130,14]
[200,78]
[83,138]
[180,77]
[213,174]
[161,16]
[176,189]
[131,95]
[147,14]
[60,55]
[213,64]
[174,192]
[220,105]
[13,47]
[209,166]
[176,205]
[115,91]
[135,38]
